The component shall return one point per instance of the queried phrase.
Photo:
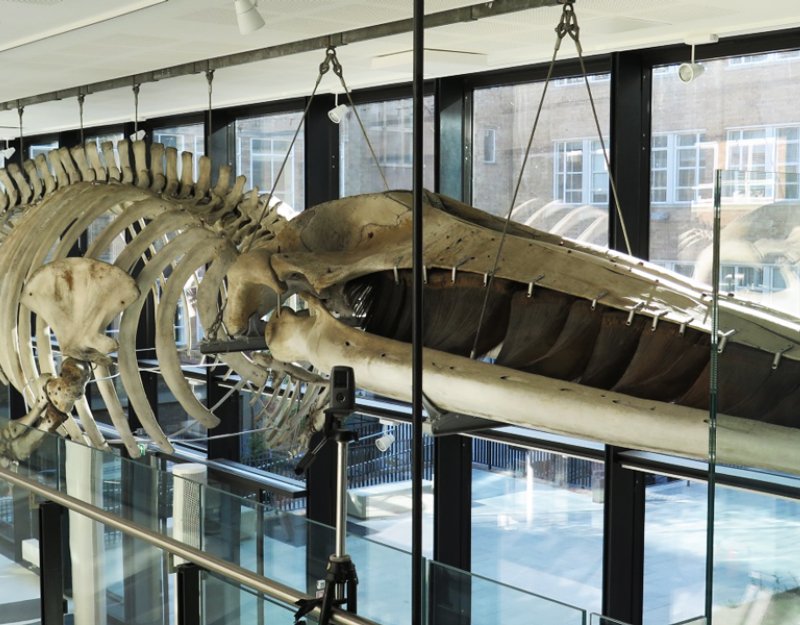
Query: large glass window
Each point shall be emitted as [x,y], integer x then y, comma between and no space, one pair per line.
[740,115]
[184,138]
[262,145]
[565,184]
[389,128]
[537,522]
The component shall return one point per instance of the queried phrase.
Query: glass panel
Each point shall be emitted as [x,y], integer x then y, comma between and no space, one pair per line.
[389,127]
[537,522]
[564,189]
[41,147]
[674,549]
[262,144]
[224,602]
[19,591]
[455,596]
[739,115]
[184,138]
[379,481]
[753,403]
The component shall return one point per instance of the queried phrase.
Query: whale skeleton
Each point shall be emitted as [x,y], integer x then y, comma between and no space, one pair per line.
[576,339]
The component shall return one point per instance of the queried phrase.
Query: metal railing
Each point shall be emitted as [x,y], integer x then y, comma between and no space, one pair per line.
[213,564]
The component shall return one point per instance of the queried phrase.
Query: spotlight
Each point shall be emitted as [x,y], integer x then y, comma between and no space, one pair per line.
[7,153]
[687,72]
[384,442]
[247,16]
[338,112]
[139,135]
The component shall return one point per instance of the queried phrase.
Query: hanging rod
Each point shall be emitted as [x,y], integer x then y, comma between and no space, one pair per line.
[357,35]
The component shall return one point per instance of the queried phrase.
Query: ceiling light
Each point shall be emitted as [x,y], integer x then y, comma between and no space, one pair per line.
[687,72]
[339,111]
[248,17]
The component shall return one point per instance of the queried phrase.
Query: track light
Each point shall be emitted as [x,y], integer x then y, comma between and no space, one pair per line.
[687,72]
[139,135]
[338,112]
[384,442]
[247,16]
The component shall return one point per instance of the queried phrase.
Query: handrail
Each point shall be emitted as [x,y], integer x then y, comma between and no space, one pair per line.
[227,570]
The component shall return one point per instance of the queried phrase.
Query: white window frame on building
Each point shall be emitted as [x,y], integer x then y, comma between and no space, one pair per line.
[579,172]
[768,158]
[687,172]
[277,145]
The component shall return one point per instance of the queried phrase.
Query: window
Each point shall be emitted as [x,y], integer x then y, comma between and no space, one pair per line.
[186,138]
[41,148]
[266,157]
[682,166]
[564,185]
[489,138]
[580,172]
[764,153]
[262,146]
[389,128]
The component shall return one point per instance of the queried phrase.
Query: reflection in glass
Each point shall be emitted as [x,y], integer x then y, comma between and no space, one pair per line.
[537,522]
[184,138]
[674,549]
[389,128]
[262,144]
[740,116]
[564,189]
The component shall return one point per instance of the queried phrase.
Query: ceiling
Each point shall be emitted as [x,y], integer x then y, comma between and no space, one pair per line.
[50,45]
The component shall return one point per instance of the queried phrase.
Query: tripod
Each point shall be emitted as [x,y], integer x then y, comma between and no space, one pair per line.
[340,579]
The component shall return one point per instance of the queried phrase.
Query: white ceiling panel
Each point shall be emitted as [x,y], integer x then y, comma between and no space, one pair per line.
[104,40]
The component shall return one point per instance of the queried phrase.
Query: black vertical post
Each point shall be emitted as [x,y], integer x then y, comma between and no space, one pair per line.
[187,582]
[623,541]
[321,153]
[321,184]
[321,509]
[452,503]
[416,326]
[623,545]
[630,150]
[51,562]
[453,128]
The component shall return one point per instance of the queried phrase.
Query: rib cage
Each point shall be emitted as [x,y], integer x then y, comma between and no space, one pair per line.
[170,228]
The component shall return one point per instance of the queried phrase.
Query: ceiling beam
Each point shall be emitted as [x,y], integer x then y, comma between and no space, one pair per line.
[367,33]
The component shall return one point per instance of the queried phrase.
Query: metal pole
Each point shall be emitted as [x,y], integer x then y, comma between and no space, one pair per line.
[231,572]
[416,328]
[341,506]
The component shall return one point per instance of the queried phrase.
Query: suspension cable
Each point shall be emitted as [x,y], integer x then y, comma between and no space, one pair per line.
[20,111]
[567,25]
[209,127]
[136,107]
[81,99]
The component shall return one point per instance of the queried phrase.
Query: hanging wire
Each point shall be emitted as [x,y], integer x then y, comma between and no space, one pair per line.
[81,99]
[20,111]
[567,25]
[136,107]
[209,127]
[337,69]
